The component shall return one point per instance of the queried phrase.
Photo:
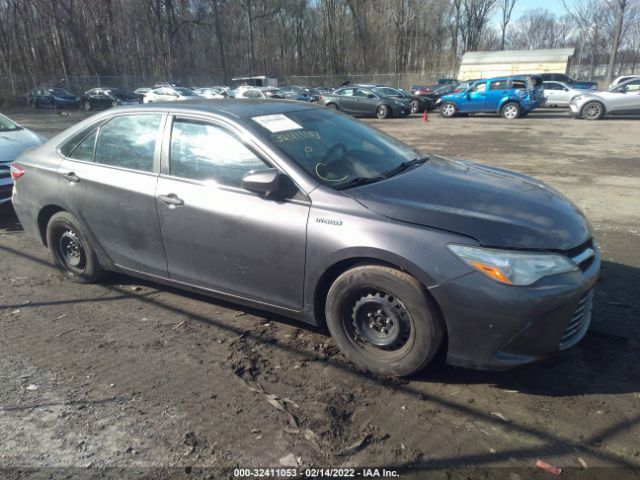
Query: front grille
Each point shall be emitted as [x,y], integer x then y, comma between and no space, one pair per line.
[4,171]
[6,191]
[579,322]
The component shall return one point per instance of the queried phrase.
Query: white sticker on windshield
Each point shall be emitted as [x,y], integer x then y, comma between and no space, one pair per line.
[277,123]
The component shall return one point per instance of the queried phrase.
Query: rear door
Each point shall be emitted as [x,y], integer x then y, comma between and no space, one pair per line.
[495,94]
[109,179]
[347,100]
[216,234]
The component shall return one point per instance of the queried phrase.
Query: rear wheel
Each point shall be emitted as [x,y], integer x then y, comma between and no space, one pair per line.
[383,111]
[592,111]
[71,250]
[448,110]
[382,319]
[511,111]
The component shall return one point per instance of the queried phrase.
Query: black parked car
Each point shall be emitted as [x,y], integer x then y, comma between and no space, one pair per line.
[52,97]
[564,78]
[101,98]
[364,101]
[302,94]
[418,104]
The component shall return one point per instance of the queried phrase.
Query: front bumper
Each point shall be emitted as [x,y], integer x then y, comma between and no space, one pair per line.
[492,326]
[401,111]
[573,108]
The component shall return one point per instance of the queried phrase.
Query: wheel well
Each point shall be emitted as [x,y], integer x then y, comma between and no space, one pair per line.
[43,219]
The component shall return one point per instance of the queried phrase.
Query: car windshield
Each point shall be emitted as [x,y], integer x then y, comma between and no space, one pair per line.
[59,91]
[185,92]
[7,125]
[336,150]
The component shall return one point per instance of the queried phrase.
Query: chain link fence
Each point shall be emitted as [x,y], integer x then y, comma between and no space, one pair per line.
[14,87]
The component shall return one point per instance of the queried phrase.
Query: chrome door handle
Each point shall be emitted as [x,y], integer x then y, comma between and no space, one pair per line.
[71,177]
[172,200]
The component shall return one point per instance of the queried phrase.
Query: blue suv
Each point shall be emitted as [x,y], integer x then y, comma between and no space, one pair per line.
[511,97]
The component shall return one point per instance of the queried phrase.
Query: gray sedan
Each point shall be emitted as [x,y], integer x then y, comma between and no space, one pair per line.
[558,94]
[13,140]
[295,209]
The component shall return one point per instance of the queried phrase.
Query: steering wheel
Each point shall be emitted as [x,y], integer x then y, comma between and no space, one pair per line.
[325,165]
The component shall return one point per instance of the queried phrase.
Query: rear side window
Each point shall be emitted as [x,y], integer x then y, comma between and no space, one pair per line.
[128,141]
[518,84]
[205,152]
[84,150]
[498,85]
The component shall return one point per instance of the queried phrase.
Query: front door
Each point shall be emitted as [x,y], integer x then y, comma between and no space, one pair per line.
[475,98]
[109,180]
[625,100]
[216,234]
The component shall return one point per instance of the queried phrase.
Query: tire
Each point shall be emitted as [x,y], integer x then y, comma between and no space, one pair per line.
[511,110]
[383,111]
[592,111]
[448,110]
[383,320]
[71,251]
[332,106]
[114,104]
[87,106]
[415,106]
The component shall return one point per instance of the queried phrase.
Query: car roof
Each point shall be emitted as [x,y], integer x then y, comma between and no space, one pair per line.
[240,109]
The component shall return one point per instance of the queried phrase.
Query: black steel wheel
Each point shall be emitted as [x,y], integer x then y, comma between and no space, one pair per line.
[383,320]
[70,248]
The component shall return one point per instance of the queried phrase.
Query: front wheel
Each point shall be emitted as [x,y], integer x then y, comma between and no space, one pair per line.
[448,110]
[415,106]
[332,106]
[592,111]
[72,253]
[87,106]
[511,111]
[383,320]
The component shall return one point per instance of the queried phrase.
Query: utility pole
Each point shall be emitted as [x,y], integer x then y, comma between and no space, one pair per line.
[621,6]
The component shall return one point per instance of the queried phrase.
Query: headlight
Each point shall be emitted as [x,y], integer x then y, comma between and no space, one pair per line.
[577,98]
[513,268]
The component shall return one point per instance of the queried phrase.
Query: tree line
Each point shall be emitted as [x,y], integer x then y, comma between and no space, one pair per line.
[224,38]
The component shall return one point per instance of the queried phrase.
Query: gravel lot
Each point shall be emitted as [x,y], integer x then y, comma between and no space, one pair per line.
[153,382]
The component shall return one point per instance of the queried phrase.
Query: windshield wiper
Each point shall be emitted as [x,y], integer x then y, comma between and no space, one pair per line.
[358,181]
[405,166]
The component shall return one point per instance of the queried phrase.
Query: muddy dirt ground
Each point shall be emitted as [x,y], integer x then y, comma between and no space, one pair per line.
[133,379]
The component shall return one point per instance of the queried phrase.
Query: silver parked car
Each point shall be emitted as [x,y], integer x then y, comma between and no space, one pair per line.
[623,99]
[293,208]
[14,139]
[559,94]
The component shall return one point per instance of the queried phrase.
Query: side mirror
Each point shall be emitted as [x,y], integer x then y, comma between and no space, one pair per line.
[371,96]
[264,182]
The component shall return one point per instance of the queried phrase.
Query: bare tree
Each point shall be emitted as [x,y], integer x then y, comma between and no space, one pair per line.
[506,9]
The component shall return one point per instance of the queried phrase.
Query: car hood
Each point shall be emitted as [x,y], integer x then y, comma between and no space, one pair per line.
[12,143]
[497,207]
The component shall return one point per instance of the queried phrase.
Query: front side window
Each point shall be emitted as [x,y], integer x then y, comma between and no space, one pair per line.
[633,86]
[346,92]
[479,87]
[128,141]
[518,84]
[205,152]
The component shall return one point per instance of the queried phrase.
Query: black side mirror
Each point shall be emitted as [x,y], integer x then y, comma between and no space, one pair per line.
[371,95]
[265,182]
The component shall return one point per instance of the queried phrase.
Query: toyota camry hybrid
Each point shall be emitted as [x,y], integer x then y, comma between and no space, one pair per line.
[306,212]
